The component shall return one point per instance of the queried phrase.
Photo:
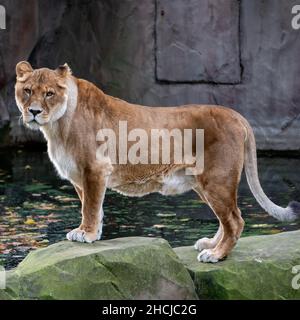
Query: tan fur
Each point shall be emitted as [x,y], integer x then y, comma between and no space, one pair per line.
[72,148]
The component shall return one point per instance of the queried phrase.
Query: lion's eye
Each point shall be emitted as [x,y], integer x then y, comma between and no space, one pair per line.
[49,94]
[27,91]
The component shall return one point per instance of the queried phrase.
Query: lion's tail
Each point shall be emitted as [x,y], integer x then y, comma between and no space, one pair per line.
[292,211]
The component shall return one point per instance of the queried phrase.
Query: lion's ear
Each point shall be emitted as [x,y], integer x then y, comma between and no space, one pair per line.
[22,68]
[64,70]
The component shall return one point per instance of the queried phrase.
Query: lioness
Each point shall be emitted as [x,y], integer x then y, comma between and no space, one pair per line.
[70,111]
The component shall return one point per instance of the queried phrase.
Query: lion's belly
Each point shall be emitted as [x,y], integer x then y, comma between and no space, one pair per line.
[175,183]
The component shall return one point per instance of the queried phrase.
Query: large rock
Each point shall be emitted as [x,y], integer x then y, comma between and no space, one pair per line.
[147,268]
[259,267]
[127,268]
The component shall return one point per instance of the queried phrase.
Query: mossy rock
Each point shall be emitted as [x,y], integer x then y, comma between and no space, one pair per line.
[259,267]
[127,268]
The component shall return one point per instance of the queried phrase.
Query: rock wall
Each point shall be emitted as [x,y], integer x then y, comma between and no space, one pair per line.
[242,54]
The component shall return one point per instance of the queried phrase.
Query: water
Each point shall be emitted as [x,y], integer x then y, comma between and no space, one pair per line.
[38,209]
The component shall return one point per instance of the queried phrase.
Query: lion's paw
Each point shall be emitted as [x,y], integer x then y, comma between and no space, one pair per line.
[202,244]
[208,255]
[83,236]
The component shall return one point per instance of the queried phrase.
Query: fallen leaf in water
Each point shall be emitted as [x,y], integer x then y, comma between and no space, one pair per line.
[274,231]
[159,226]
[47,206]
[45,241]
[65,187]
[29,222]
[70,206]
[166,215]
[42,226]
[127,227]
[15,243]
[66,199]
[185,219]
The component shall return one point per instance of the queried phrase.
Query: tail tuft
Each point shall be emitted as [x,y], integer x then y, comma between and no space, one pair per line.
[294,206]
[292,211]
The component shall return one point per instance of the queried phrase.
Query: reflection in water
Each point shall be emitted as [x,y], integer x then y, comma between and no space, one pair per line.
[37,208]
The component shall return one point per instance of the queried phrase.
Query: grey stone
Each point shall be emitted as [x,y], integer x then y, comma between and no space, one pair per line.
[195,43]
[113,43]
[259,268]
[127,268]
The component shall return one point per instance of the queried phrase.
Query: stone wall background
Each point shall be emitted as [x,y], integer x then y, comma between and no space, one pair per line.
[242,54]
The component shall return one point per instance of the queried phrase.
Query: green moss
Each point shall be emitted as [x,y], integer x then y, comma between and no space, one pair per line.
[127,268]
[259,267]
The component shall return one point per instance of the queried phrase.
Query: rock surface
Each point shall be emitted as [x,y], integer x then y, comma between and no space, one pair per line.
[191,59]
[259,267]
[127,268]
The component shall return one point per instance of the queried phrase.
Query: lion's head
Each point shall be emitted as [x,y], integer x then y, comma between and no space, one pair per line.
[41,94]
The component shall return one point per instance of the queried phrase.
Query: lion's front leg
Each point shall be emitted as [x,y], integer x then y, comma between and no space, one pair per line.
[92,196]
[80,195]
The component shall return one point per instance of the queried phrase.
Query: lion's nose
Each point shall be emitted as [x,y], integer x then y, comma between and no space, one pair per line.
[34,111]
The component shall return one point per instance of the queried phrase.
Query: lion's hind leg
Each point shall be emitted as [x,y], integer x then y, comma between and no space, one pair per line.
[219,191]
[223,202]
[207,243]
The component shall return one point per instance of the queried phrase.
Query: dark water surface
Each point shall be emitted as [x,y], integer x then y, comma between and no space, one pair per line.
[37,208]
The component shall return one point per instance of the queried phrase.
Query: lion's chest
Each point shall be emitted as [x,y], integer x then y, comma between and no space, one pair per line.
[64,163]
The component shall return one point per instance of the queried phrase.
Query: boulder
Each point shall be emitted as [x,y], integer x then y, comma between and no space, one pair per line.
[127,268]
[260,267]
